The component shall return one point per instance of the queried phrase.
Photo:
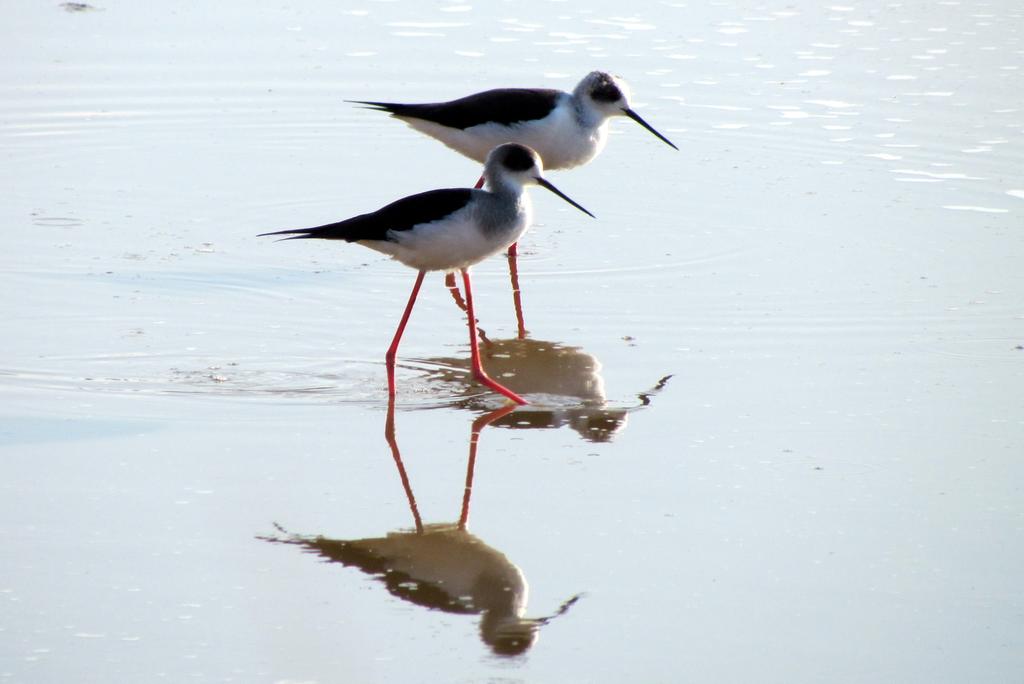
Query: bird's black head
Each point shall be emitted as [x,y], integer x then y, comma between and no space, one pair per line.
[513,166]
[518,158]
[610,97]
[604,88]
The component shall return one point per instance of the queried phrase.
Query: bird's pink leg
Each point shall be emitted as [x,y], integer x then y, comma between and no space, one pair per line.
[513,270]
[517,295]
[389,358]
[474,348]
[453,289]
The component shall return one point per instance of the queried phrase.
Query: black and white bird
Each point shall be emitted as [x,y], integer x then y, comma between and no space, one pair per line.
[448,230]
[565,129]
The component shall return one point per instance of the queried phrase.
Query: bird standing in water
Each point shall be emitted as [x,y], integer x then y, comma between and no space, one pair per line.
[565,129]
[449,230]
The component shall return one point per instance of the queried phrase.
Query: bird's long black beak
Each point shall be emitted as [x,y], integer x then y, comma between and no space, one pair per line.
[544,183]
[636,117]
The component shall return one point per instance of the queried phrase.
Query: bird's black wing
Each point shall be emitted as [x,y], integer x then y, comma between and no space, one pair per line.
[502,105]
[401,214]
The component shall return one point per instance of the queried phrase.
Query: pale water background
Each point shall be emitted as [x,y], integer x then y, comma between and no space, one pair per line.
[828,487]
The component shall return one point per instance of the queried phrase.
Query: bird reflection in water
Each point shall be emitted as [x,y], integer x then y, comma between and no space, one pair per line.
[564,384]
[443,566]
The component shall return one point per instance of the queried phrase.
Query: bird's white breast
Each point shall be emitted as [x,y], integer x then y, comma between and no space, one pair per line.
[560,140]
[485,227]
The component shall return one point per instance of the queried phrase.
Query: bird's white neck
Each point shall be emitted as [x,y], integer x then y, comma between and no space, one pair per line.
[503,187]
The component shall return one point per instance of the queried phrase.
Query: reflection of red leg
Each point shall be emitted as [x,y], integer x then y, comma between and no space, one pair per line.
[479,424]
[389,358]
[389,435]
[474,349]
[479,183]
[517,297]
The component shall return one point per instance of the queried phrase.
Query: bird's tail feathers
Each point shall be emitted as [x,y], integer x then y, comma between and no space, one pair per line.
[390,107]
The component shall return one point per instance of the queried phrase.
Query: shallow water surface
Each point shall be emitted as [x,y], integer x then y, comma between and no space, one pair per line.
[775,429]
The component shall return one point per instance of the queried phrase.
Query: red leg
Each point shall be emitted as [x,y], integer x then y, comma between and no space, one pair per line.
[449,282]
[474,349]
[389,358]
[517,300]
[453,289]
[517,296]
